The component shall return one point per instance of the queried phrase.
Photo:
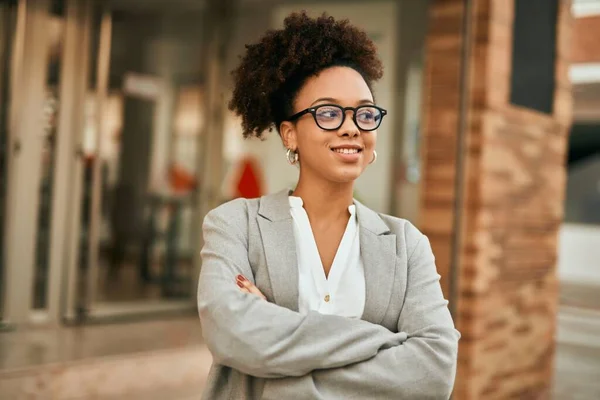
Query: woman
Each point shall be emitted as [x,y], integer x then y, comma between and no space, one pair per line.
[309,294]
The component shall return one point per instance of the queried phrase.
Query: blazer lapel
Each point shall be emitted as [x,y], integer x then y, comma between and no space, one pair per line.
[378,252]
[277,234]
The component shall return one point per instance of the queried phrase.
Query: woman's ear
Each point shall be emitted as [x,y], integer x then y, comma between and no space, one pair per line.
[288,135]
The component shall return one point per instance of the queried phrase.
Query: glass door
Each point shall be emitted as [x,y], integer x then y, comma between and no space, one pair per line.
[133,238]
[29,52]
[55,26]
[8,16]
[408,184]
[38,118]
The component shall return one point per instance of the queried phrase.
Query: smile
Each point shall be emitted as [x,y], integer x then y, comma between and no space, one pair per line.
[346,151]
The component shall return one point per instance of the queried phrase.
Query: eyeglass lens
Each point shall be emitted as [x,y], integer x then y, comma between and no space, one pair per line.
[331,117]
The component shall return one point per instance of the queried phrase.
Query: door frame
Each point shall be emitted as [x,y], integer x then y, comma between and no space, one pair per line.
[8,14]
[68,170]
[25,143]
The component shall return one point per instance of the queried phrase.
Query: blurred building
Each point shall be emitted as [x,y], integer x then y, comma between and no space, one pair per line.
[115,140]
[578,327]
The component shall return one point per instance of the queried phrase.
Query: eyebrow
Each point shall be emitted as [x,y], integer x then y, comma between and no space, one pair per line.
[336,101]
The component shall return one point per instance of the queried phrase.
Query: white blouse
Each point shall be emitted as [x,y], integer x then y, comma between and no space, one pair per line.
[343,292]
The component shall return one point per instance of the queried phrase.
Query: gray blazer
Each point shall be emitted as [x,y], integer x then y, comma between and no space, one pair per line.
[404,346]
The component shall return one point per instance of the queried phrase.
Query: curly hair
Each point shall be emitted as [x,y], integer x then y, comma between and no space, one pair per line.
[273,70]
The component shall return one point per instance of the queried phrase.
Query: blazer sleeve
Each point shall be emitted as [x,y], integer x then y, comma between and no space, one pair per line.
[423,367]
[260,338]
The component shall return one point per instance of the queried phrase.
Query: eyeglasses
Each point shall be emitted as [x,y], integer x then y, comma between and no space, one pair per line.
[331,117]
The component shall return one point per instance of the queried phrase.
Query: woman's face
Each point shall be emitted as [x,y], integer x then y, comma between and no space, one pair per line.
[341,155]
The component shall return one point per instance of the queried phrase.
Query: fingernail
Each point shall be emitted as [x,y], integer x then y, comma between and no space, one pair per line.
[240,278]
[240,284]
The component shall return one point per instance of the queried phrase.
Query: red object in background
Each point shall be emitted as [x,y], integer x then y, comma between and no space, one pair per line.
[248,183]
[180,179]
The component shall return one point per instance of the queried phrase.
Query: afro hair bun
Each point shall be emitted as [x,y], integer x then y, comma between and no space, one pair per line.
[273,70]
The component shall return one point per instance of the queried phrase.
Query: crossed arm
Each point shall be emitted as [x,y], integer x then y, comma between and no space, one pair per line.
[262,339]
[323,354]
[422,367]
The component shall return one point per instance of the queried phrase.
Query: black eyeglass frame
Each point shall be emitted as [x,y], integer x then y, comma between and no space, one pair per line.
[313,112]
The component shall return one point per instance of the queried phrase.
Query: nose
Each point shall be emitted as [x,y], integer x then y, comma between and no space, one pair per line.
[349,128]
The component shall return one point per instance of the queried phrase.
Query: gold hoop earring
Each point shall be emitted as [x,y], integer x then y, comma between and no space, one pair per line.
[374,157]
[292,156]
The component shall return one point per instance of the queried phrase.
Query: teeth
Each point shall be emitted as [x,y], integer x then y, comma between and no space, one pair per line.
[346,151]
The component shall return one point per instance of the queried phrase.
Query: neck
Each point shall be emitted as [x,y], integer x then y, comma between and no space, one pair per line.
[323,200]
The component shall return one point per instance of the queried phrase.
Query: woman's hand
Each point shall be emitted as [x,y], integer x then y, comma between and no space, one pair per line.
[248,287]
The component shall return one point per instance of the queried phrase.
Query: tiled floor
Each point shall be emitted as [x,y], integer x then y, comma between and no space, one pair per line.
[580,295]
[67,344]
[189,392]
[577,372]
[146,360]
[577,361]
[170,374]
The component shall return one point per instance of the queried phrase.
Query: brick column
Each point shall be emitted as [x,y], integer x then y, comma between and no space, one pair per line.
[511,199]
